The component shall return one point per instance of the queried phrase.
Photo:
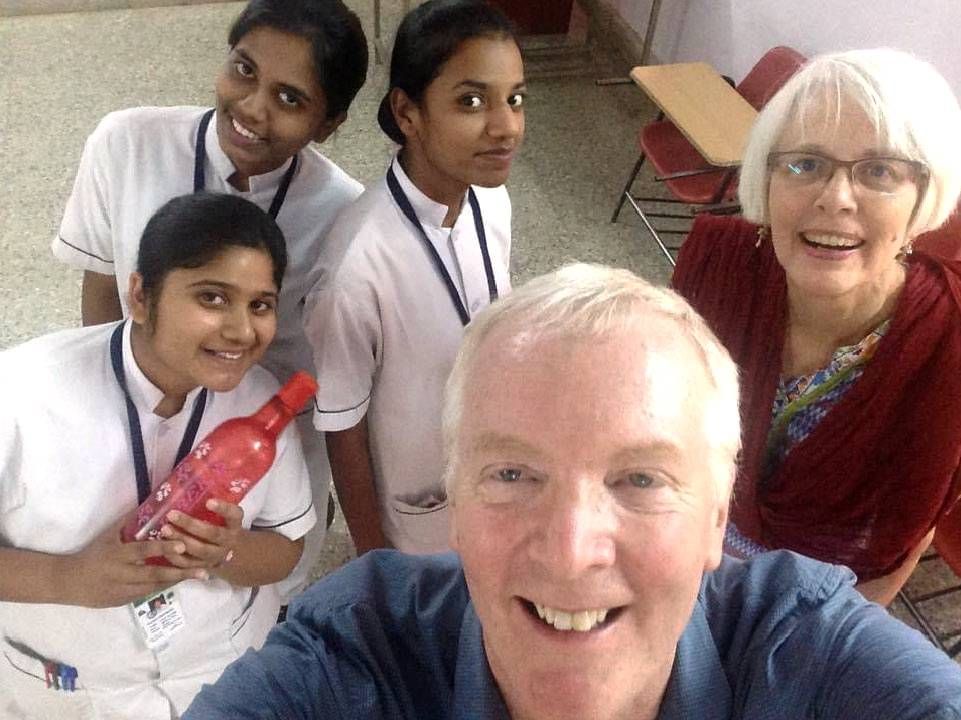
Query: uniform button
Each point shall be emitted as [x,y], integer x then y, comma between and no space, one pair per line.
[475,306]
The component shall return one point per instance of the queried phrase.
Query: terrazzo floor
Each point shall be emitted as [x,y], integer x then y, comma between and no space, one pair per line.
[62,73]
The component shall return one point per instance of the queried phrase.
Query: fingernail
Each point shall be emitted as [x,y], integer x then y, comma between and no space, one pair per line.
[166,531]
[173,516]
[203,575]
[211,504]
[180,548]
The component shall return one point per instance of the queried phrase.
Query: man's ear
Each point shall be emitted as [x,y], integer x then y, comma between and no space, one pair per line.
[715,533]
[137,299]
[406,112]
[328,126]
[452,516]
[452,533]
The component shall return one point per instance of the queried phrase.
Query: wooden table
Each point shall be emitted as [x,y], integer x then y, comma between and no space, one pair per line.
[710,113]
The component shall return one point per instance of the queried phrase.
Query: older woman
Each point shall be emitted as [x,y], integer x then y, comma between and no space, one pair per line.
[849,346]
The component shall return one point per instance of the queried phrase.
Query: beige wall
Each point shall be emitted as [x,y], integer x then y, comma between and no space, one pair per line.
[733,34]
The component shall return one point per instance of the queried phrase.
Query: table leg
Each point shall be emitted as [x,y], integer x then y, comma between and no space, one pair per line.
[645,49]
[649,35]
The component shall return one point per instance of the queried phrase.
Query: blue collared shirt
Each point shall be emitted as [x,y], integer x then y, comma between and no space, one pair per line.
[772,638]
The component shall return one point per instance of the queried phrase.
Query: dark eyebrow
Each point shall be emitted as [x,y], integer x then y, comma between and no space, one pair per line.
[478,85]
[227,286]
[295,91]
[302,94]
[475,84]
[245,57]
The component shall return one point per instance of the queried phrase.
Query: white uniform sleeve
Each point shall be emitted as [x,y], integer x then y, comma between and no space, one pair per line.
[85,240]
[12,491]
[510,231]
[287,508]
[343,325]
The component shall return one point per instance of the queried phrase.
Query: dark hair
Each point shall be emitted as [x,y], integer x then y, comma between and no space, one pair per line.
[426,39]
[191,230]
[334,32]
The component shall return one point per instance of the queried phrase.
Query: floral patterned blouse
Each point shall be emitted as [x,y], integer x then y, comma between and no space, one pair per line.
[800,403]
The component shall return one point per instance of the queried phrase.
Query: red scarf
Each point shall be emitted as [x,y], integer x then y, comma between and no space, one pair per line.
[881,468]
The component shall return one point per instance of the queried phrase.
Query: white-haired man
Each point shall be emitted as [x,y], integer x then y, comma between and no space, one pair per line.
[591,428]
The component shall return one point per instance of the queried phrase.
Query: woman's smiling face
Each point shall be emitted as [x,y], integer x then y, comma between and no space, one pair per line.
[270,103]
[207,325]
[837,237]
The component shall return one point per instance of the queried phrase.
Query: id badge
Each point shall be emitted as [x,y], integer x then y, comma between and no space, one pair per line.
[160,617]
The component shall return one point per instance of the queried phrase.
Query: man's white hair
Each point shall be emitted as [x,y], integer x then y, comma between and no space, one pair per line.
[581,302]
[913,110]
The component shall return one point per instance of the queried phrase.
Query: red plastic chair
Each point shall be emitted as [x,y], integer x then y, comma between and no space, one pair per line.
[688,176]
[947,541]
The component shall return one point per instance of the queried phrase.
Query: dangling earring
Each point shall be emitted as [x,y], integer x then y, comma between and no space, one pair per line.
[904,252]
[763,233]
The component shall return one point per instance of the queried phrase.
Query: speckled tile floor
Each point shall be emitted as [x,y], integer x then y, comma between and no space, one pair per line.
[62,73]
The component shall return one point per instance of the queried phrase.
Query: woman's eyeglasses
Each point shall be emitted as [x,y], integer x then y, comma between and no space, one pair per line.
[877,174]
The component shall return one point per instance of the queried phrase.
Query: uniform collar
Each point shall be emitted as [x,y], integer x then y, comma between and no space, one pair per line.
[224,168]
[429,212]
[145,395]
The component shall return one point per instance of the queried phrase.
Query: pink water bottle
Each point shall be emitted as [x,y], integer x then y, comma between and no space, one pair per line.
[225,465]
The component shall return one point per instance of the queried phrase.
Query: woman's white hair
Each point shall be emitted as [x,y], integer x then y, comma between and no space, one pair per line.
[583,301]
[913,109]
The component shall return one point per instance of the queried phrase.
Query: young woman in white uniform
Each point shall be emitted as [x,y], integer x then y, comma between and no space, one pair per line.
[291,73]
[76,405]
[408,264]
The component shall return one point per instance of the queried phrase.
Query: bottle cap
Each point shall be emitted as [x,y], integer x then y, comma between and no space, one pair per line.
[298,390]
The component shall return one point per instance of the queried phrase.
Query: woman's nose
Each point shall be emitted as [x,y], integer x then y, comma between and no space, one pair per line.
[238,327]
[505,122]
[838,193]
[254,106]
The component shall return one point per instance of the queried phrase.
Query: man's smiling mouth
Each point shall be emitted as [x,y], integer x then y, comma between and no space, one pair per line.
[577,620]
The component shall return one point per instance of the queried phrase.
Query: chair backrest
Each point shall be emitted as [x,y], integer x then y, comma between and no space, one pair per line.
[769,74]
[944,242]
[947,540]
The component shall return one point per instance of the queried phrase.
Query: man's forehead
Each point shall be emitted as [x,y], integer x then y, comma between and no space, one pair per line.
[656,444]
[649,338]
[646,369]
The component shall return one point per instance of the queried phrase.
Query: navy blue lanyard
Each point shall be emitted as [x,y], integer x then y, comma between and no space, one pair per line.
[404,203]
[133,419]
[201,152]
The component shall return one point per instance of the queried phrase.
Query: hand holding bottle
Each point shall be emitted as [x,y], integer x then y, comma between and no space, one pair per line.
[224,466]
[109,572]
[206,545]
